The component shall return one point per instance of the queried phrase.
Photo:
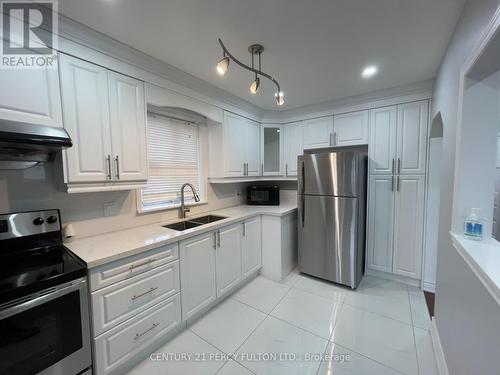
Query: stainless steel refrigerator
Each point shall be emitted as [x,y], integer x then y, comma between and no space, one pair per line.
[332,213]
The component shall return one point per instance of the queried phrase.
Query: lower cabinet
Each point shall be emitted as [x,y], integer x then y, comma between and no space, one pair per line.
[395,224]
[198,280]
[228,258]
[251,246]
[121,344]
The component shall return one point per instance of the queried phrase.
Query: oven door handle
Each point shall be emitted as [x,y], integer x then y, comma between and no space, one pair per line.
[42,297]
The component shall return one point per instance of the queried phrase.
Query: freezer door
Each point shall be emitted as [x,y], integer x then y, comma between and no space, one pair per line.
[329,173]
[328,240]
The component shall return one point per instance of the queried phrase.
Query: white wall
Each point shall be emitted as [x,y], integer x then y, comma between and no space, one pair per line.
[460,307]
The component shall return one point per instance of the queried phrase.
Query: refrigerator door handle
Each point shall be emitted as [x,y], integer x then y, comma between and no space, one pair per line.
[302,209]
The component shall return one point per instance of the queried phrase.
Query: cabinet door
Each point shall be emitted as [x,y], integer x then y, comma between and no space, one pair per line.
[235,147]
[198,282]
[412,137]
[271,149]
[408,226]
[251,246]
[350,129]
[127,109]
[293,146]
[84,91]
[382,149]
[228,258]
[380,223]
[318,132]
[252,146]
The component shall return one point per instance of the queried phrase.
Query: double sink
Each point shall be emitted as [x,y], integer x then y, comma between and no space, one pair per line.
[193,223]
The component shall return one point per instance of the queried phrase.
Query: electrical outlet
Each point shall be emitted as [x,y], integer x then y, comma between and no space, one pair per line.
[109,209]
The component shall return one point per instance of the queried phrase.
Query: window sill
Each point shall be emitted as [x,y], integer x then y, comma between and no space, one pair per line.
[141,210]
[483,257]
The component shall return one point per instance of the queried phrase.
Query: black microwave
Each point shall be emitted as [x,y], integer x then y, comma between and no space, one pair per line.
[263,195]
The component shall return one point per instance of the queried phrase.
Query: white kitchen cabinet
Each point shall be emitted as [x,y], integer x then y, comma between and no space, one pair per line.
[271,149]
[228,258]
[251,246]
[382,148]
[412,137]
[350,128]
[84,89]
[31,96]
[105,116]
[380,223]
[128,127]
[398,139]
[234,147]
[408,226]
[252,148]
[294,146]
[318,132]
[395,224]
[198,278]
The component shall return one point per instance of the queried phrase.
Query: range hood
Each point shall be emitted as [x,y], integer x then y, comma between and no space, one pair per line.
[23,145]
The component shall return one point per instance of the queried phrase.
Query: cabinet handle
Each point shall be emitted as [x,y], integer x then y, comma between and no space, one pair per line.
[393,166]
[244,229]
[262,169]
[117,167]
[286,170]
[108,162]
[218,238]
[392,183]
[139,335]
[399,166]
[146,263]
[330,138]
[143,294]
[335,138]
[215,240]
[397,184]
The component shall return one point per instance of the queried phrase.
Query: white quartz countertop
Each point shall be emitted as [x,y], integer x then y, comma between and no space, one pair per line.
[105,248]
[484,259]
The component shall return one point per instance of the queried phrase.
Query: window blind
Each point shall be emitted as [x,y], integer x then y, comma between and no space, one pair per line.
[173,157]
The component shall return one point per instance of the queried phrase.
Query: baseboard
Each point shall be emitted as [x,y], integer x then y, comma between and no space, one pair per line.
[393,277]
[429,287]
[438,349]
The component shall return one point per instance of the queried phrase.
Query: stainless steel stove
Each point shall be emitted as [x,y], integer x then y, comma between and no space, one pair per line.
[44,313]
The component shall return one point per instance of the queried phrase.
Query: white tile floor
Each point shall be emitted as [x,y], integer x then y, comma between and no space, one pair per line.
[306,326]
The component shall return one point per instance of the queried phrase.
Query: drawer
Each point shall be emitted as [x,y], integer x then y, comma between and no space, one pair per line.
[119,302]
[127,268]
[122,343]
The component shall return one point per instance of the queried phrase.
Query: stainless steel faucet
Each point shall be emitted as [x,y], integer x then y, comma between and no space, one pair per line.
[184,209]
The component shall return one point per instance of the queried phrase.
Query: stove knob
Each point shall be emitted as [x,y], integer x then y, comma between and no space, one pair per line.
[38,221]
[51,219]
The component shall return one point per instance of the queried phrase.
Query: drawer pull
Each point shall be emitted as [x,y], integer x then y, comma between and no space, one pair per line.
[143,294]
[139,335]
[146,263]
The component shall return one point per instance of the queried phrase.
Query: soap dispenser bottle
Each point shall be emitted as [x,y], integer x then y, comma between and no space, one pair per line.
[473,226]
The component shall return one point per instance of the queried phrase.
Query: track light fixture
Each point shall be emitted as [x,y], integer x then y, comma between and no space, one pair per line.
[256,51]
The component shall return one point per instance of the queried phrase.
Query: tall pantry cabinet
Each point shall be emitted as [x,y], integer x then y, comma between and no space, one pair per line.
[397,164]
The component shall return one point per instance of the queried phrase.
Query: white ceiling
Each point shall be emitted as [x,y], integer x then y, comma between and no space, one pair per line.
[316,49]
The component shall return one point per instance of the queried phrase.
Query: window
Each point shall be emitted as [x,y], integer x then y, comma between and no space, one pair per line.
[173,157]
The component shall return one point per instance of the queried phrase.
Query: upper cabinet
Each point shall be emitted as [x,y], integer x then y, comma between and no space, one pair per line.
[398,139]
[350,129]
[105,116]
[31,96]
[318,132]
[271,149]
[234,147]
[294,146]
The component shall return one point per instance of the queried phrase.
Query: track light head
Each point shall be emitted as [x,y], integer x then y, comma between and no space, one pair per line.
[222,65]
[280,98]
[254,87]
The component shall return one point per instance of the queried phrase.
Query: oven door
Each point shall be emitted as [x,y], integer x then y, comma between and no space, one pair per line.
[47,333]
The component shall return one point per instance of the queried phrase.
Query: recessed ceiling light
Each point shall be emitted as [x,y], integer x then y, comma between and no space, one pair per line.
[369,71]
